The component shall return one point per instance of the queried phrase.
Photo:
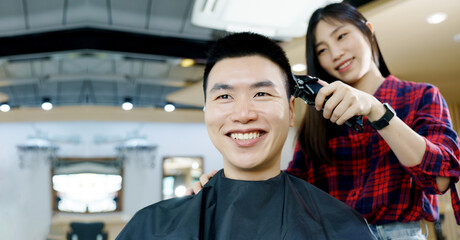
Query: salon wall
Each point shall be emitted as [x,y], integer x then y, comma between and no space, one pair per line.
[25,198]
[25,209]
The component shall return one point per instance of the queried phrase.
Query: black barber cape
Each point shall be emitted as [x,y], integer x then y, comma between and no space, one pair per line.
[283,207]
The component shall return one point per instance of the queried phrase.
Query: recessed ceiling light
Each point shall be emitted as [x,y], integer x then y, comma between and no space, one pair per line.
[4,107]
[169,107]
[46,104]
[299,67]
[457,37]
[436,18]
[186,62]
[127,104]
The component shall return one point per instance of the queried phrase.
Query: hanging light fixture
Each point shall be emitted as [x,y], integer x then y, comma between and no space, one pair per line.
[169,107]
[127,104]
[46,104]
[34,150]
[5,107]
[138,150]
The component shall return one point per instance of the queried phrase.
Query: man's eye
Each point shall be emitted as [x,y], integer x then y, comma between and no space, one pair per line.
[225,96]
[261,94]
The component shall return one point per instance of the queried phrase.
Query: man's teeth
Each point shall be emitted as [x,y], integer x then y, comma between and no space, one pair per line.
[245,136]
[345,65]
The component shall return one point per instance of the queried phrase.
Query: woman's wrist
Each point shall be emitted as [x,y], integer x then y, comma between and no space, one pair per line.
[377,111]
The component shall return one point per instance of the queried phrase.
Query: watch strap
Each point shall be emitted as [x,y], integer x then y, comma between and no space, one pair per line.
[385,119]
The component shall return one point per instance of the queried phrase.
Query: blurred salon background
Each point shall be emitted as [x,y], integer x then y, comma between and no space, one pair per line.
[101,103]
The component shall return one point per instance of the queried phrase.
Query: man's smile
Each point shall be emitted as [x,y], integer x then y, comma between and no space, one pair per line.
[246,136]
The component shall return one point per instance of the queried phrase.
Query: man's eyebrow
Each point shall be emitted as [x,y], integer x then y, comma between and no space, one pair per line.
[332,33]
[261,84]
[221,86]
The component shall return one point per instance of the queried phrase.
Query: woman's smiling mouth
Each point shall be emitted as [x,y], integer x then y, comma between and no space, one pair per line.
[344,66]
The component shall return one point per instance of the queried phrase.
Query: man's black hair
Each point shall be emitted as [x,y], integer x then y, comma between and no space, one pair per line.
[248,44]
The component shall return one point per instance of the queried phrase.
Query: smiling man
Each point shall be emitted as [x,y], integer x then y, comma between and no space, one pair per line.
[248,115]
[249,109]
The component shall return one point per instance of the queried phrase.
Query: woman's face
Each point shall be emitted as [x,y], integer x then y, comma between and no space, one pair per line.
[343,51]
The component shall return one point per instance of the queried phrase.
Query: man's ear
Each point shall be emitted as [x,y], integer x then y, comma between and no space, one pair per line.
[292,111]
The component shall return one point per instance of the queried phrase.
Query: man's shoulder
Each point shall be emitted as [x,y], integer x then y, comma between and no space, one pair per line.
[161,219]
[300,184]
[338,219]
[313,193]
[179,205]
[170,205]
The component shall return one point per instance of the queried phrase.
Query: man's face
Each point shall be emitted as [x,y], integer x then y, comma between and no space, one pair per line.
[248,115]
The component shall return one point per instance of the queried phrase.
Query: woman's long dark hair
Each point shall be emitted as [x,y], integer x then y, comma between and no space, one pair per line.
[315,130]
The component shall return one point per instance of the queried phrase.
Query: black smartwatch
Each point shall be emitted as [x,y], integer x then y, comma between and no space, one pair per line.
[385,119]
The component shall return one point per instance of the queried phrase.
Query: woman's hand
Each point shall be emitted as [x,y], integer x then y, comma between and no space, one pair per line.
[198,185]
[344,102]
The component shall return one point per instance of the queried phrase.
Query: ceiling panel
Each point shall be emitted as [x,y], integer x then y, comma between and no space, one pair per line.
[12,16]
[79,12]
[125,13]
[44,13]
[169,16]
[18,70]
[155,70]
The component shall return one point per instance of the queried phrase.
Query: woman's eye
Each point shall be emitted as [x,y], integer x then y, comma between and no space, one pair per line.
[320,51]
[341,36]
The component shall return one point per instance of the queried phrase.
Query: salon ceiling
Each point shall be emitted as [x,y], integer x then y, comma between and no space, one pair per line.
[88,55]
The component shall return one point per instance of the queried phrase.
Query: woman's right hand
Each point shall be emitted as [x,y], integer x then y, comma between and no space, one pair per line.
[344,102]
[198,185]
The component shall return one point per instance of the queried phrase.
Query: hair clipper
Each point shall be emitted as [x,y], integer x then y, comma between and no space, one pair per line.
[307,88]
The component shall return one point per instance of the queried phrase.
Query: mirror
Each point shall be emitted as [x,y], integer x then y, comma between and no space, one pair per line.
[87,185]
[179,173]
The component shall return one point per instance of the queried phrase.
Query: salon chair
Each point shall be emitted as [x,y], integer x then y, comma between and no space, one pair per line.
[86,231]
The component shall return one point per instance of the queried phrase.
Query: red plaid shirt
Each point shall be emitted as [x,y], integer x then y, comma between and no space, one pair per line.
[367,175]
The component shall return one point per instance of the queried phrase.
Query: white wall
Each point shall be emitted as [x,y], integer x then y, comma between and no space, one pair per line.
[25,209]
[25,198]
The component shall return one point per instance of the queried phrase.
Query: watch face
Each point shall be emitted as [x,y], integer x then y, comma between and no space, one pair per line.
[388,106]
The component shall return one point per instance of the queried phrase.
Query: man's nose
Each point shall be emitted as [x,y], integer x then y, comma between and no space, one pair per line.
[243,112]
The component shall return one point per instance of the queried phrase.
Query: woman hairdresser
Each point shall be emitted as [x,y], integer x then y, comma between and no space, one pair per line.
[408,151]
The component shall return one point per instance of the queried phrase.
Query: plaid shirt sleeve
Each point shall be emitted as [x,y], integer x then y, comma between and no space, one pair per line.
[442,153]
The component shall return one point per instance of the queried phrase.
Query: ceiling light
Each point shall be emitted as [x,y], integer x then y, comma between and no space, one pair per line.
[436,18]
[127,104]
[46,104]
[187,62]
[457,37]
[169,107]
[299,67]
[4,107]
